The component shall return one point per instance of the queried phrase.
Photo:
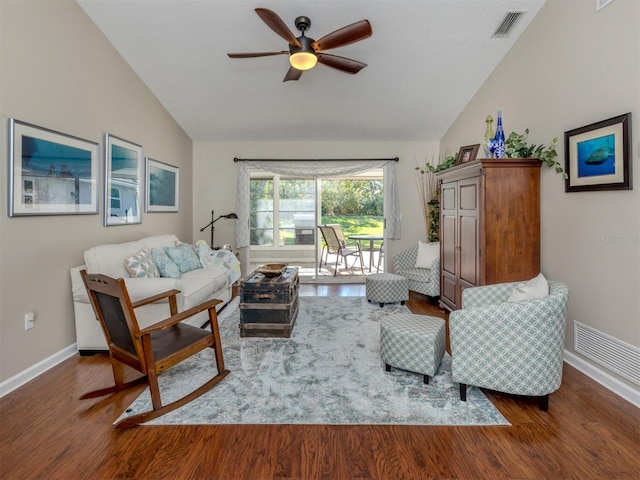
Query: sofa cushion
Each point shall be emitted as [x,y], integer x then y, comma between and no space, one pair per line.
[160,241]
[195,289]
[141,288]
[166,266]
[218,275]
[141,265]
[109,259]
[184,256]
[427,253]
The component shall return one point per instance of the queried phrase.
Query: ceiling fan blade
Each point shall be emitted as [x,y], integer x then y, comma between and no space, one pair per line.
[292,74]
[275,23]
[344,36]
[341,63]
[258,54]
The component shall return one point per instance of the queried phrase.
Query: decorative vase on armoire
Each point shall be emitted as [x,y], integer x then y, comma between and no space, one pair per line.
[498,141]
[487,141]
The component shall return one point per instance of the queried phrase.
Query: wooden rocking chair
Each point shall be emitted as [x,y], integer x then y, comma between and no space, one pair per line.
[150,350]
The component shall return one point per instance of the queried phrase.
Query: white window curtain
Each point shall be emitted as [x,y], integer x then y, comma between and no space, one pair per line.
[317,169]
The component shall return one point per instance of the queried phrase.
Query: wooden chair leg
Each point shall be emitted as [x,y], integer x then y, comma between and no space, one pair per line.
[117,369]
[213,321]
[113,389]
[154,390]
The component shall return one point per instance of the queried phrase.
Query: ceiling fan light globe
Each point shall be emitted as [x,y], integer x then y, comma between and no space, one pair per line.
[303,60]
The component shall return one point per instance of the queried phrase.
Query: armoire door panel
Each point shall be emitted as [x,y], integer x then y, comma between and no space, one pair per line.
[447,241]
[449,290]
[468,193]
[468,251]
[448,197]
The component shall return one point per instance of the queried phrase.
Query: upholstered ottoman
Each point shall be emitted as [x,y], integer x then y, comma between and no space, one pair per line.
[386,288]
[412,342]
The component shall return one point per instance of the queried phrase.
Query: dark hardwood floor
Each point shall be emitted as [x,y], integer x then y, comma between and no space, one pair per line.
[47,433]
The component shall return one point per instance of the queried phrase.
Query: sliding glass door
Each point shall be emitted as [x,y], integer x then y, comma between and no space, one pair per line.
[285,211]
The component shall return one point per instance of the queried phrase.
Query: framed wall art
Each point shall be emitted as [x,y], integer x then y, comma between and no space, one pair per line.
[598,156]
[467,154]
[51,173]
[162,186]
[123,182]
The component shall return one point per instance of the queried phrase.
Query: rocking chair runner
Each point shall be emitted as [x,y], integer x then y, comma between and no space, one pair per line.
[150,350]
[335,246]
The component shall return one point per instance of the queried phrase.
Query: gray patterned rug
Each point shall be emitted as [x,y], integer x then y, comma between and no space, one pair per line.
[328,372]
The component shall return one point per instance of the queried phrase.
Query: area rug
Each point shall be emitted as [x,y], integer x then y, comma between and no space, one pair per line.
[328,372]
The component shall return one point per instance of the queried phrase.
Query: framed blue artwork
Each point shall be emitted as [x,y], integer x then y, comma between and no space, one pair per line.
[598,156]
[162,187]
[51,173]
[123,182]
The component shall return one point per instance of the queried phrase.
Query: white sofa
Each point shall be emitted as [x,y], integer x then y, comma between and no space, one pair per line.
[195,286]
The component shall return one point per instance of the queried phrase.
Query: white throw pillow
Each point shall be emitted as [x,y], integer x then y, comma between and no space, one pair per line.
[537,287]
[427,253]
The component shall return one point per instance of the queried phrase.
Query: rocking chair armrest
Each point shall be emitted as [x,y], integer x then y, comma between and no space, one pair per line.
[177,318]
[155,298]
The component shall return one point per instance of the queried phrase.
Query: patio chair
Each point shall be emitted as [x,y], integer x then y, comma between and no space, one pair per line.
[153,349]
[340,249]
[339,233]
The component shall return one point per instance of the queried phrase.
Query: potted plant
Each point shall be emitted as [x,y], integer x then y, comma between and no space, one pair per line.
[516,146]
[430,195]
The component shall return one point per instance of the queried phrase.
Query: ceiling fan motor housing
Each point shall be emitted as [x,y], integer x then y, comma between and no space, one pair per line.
[306,45]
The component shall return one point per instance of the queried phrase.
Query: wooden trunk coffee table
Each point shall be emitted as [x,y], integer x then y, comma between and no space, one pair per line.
[269,305]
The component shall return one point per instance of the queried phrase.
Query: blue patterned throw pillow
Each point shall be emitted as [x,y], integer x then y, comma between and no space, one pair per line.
[166,266]
[141,265]
[184,256]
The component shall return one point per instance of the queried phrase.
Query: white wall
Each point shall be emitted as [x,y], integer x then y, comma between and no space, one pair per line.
[215,177]
[58,71]
[572,67]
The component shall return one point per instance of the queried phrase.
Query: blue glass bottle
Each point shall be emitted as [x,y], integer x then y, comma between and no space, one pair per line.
[498,141]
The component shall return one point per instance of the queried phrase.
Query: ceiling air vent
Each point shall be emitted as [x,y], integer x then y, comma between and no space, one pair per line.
[507,25]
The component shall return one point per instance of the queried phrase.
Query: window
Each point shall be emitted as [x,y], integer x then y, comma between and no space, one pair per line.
[282,211]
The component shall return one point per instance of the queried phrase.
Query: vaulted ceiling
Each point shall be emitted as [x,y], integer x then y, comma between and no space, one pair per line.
[426,59]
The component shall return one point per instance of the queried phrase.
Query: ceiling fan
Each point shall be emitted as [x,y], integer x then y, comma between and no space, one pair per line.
[305,52]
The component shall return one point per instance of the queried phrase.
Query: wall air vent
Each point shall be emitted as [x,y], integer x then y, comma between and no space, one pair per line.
[508,24]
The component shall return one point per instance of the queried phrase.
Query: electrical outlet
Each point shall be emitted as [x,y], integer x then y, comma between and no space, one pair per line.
[29,320]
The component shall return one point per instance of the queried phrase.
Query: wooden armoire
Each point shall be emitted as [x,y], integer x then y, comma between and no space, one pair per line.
[489,225]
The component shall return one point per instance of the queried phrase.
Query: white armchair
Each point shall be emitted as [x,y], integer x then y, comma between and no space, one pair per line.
[510,347]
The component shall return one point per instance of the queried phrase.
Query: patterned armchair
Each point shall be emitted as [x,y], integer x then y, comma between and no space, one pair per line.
[421,280]
[510,347]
